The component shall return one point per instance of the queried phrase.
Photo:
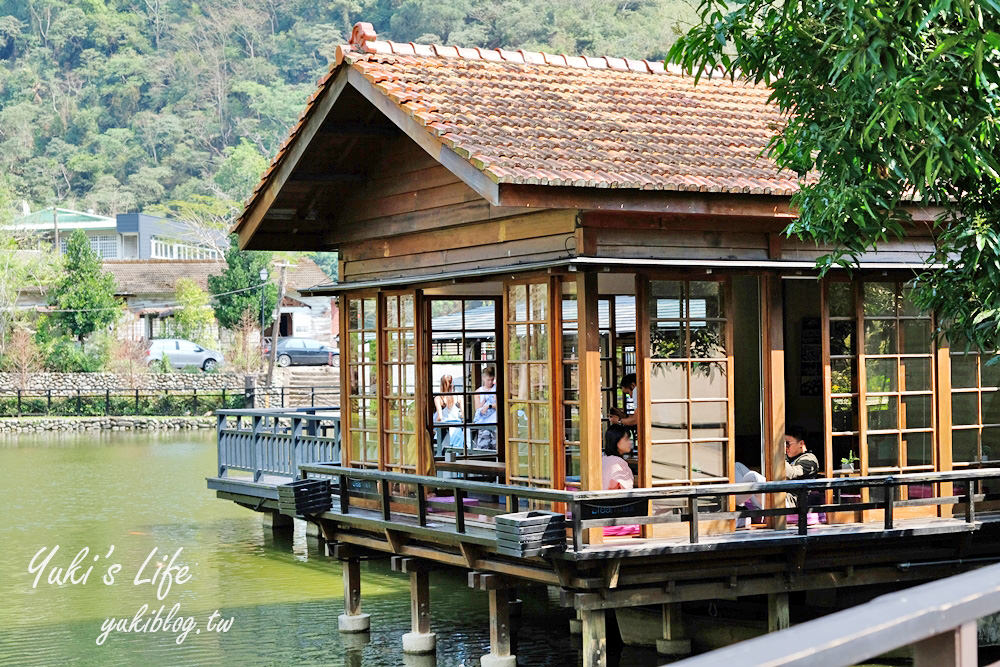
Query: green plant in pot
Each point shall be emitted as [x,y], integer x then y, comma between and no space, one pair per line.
[850,462]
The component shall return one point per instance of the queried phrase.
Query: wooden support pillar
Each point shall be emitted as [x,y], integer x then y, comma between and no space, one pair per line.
[590,391]
[674,642]
[576,625]
[500,640]
[777,611]
[352,620]
[420,640]
[774,392]
[595,638]
[955,648]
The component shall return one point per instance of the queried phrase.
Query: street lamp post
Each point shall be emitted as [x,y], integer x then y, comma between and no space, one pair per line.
[263,284]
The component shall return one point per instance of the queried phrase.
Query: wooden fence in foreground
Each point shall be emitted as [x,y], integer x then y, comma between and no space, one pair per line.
[937,619]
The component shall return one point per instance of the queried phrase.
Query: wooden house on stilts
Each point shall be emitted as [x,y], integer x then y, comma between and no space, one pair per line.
[518,233]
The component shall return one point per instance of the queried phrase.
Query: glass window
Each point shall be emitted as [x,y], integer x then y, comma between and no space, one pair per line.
[400,368]
[362,373]
[891,379]
[463,363]
[528,381]
[689,381]
[975,406]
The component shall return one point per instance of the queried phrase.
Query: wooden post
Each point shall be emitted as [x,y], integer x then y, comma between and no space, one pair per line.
[352,620]
[955,648]
[419,640]
[942,400]
[276,327]
[588,330]
[499,655]
[777,611]
[595,638]
[673,643]
[774,392]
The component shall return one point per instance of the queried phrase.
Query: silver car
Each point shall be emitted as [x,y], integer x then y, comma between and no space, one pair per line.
[182,353]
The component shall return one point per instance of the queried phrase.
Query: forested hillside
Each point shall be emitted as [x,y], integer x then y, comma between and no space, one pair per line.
[118,105]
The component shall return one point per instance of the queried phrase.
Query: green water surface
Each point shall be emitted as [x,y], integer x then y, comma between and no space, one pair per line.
[140,492]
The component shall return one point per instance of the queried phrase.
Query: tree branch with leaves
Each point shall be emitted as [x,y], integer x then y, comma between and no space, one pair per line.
[889,103]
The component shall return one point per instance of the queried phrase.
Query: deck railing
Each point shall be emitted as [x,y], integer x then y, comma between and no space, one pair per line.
[938,619]
[278,441]
[292,444]
[402,493]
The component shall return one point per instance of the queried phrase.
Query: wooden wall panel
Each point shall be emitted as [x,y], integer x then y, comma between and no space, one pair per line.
[538,237]
[665,244]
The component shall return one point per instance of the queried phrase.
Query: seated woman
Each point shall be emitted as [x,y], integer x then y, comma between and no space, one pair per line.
[448,410]
[615,473]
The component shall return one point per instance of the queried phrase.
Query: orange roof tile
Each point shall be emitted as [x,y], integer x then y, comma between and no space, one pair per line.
[535,118]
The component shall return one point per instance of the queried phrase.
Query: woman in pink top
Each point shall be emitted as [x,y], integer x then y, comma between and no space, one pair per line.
[615,472]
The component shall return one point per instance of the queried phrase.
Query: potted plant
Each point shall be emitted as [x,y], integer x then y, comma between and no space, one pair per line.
[848,462]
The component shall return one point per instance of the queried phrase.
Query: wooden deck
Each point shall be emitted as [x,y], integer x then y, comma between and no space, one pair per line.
[424,522]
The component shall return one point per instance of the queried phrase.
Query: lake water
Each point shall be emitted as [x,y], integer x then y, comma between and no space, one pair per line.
[145,492]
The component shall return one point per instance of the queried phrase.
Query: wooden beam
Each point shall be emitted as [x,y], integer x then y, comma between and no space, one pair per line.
[486,233]
[252,217]
[588,331]
[774,390]
[420,602]
[777,612]
[595,642]
[942,399]
[650,201]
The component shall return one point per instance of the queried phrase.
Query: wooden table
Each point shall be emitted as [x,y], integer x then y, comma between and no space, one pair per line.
[494,469]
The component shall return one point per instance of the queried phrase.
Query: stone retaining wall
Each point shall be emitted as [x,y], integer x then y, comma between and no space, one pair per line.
[67,424]
[102,381]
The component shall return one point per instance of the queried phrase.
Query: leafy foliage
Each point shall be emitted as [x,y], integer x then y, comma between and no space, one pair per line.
[84,298]
[193,318]
[116,104]
[889,101]
[242,272]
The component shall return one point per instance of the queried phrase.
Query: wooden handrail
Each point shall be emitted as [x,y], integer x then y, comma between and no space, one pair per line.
[929,617]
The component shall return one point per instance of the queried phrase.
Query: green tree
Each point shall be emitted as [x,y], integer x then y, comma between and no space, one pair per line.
[234,287]
[888,102]
[240,170]
[84,298]
[193,317]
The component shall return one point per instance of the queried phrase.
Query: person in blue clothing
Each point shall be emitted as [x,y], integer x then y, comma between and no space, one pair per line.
[485,403]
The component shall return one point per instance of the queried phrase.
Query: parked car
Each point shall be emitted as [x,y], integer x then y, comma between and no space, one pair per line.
[295,351]
[181,353]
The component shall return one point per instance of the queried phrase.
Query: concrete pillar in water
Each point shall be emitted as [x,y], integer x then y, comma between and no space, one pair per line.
[352,620]
[420,640]
[595,638]
[777,611]
[674,642]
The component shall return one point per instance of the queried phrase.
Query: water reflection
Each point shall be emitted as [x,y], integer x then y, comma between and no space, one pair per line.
[146,491]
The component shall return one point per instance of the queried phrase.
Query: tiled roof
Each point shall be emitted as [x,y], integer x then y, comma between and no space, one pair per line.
[160,276]
[523,117]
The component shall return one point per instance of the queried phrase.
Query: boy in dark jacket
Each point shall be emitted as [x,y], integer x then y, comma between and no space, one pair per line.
[800,463]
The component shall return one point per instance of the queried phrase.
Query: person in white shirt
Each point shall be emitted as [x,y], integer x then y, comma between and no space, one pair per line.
[485,403]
